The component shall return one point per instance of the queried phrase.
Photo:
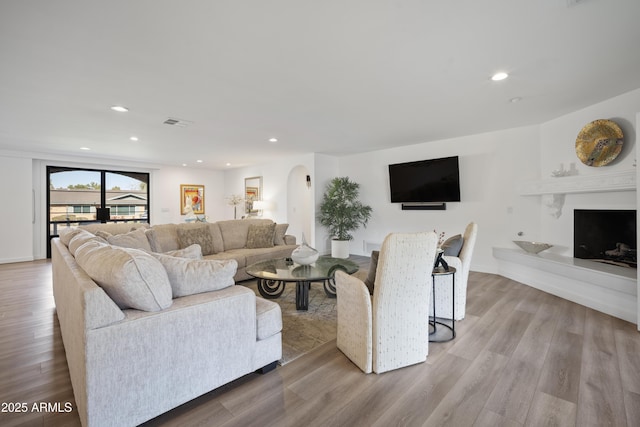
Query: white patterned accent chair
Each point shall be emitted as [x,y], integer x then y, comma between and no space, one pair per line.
[443,290]
[389,330]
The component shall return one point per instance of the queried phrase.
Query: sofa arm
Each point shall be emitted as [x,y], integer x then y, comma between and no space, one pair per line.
[289,239]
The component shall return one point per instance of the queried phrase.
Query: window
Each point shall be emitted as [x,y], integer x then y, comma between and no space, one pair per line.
[82,196]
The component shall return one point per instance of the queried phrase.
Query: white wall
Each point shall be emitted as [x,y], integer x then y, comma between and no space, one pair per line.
[557,145]
[17,209]
[489,165]
[165,193]
[275,183]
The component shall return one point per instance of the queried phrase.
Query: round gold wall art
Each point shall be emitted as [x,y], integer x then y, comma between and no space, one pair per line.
[599,142]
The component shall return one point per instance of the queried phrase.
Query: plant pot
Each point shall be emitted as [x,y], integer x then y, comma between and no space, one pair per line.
[339,248]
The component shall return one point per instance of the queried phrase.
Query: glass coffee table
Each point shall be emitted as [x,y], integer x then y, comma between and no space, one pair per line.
[274,274]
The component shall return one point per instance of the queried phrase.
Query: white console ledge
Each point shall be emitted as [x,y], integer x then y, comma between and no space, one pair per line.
[616,181]
[607,288]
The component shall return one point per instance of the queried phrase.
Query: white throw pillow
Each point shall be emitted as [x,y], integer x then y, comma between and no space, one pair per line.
[81,238]
[135,239]
[131,277]
[67,233]
[193,252]
[194,276]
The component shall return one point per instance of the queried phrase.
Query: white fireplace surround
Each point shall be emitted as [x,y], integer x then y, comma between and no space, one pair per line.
[607,288]
[603,287]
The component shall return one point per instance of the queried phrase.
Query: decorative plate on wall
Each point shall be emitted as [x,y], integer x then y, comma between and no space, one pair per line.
[599,142]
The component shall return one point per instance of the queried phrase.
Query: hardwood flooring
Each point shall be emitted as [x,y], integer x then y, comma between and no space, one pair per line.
[521,358]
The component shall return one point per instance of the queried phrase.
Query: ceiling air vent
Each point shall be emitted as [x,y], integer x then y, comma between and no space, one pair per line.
[177,122]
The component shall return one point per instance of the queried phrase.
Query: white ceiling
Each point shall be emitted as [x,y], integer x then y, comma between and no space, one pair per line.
[332,76]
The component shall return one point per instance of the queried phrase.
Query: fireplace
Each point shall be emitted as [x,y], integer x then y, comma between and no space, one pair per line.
[607,236]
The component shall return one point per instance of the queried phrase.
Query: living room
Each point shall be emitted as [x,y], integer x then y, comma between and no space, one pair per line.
[495,163]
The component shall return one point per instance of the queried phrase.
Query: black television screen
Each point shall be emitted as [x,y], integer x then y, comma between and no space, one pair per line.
[435,180]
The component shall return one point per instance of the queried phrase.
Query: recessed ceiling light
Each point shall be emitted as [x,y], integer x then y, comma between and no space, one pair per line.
[515,99]
[199,161]
[184,164]
[499,76]
[228,164]
[134,138]
[85,148]
[273,139]
[119,108]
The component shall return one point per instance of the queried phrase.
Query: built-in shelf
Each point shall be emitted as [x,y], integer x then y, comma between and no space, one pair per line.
[616,181]
[603,287]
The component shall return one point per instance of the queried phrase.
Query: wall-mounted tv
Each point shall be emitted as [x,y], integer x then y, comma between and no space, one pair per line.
[425,181]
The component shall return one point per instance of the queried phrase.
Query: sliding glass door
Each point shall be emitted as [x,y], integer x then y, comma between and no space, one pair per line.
[83,196]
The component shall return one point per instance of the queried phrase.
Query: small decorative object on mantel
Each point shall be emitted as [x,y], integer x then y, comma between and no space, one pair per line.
[599,143]
[304,254]
[561,171]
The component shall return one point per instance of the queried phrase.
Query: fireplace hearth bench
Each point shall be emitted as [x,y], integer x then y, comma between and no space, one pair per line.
[134,348]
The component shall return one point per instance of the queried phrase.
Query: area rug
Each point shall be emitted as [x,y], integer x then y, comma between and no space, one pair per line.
[302,331]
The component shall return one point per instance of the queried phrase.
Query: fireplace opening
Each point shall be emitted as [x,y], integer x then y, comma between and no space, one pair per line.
[607,236]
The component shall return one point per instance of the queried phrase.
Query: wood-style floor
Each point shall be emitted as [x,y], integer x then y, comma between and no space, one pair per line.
[522,357]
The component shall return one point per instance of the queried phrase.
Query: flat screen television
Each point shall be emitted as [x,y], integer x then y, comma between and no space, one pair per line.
[425,181]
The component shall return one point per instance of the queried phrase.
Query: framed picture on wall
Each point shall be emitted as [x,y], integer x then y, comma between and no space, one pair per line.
[191,199]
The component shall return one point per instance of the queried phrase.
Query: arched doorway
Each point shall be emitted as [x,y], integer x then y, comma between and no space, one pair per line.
[300,205]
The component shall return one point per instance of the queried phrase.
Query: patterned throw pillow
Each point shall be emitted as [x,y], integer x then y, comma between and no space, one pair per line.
[260,236]
[201,235]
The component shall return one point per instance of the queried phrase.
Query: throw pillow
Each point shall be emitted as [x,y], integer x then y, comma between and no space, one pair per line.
[373,266]
[194,276]
[104,234]
[132,278]
[135,239]
[260,236]
[67,233]
[187,236]
[453,245]
[81,238]
[193,252]
[278,236]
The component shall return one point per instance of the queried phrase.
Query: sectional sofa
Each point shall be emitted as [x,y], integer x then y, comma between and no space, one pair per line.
[147,329]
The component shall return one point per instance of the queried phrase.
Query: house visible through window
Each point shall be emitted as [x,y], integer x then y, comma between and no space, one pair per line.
[83,196]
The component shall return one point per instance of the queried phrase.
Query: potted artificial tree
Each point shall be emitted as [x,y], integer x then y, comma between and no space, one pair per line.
[342,213]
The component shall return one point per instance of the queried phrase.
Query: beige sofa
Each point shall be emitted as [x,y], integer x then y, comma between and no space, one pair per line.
[146,332]
[245,240]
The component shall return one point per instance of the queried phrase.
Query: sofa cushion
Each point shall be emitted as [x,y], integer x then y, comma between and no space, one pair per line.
[194,276]
[193,252]
[199,234]
[67,233]
[114,227]
[136,239]
[163,237]
[268,318]
[81,238]
[256,255]
[216,235]
[131,277]
[280,232]
[453,245]
[235,231]
[260,236]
